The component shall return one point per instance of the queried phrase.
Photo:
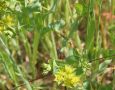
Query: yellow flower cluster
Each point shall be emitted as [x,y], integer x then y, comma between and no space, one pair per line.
[6,21]
[9,20]
[67,77]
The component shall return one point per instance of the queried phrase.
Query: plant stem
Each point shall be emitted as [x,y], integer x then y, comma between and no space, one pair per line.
[35,51]
[54,46]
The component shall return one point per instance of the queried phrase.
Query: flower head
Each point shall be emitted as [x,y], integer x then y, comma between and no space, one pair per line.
[67,77]
[8,20]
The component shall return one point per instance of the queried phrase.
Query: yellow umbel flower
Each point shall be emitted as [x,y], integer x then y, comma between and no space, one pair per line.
[67,77]
[8,20]
[68,69]
[74,80]
[59,76]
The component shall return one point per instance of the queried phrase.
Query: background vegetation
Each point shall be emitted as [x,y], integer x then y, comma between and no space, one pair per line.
[57,45]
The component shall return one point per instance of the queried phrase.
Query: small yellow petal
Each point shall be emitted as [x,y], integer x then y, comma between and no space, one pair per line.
[67,77]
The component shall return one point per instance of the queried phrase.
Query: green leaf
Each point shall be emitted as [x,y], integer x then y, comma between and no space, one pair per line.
[79,71]
[76,54]
[53,65]
[58,25]
[104,65]
[90,34]
[79,8]
[86,85]
[72,60]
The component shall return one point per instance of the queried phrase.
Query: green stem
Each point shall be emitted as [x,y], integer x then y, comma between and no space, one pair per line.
[54,46]
[67,11]
[35,51]
[26,44]
[53,49]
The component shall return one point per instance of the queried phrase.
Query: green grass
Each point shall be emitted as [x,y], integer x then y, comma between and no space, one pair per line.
[38,37]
